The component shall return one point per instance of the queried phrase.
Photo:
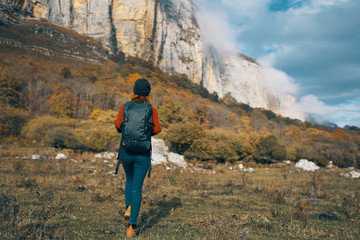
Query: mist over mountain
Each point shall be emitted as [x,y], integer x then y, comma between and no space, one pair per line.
[166,33]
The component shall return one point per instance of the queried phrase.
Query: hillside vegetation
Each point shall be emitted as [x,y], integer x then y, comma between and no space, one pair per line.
[71,104]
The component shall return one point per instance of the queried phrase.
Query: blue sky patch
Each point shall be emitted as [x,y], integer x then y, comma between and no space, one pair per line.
[285,5]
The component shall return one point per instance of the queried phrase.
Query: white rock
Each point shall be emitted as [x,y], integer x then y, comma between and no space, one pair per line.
[344,174]
[109,155]
[250,170]
[177,159]
[330,165]
[157,159]
[106,161]
[161,155]
[61,156]
[159,152]
[241,167]
[287,161]
[36,157]
[306,165]
[354,174]
[105,155]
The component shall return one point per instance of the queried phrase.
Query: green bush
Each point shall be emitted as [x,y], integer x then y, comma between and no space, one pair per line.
[180,137]
[201,149]
[37,128]
[62,137]
[213,146]
[97,136]
[269,149]
[11,120]
[223,152]
[74,134]
[169,113]
[346,159]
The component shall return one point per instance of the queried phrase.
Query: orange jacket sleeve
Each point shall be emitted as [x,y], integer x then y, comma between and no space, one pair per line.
[155,119]
[119,118]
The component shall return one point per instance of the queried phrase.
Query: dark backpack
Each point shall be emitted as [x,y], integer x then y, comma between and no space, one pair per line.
[137,127]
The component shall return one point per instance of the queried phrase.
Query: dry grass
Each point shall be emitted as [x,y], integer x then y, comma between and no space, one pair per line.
[80,199]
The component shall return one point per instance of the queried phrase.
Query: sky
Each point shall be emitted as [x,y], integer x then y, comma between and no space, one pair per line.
[311,48]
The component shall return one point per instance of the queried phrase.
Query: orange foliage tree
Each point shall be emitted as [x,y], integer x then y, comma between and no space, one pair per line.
[61,101]
[9,88]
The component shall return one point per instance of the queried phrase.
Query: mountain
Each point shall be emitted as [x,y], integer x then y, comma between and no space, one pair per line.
[166,33]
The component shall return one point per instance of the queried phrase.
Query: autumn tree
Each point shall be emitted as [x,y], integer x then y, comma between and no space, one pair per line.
[181,136]
[60,102]
[10,88]
[269,149]
[169,112]
[11,120]
[133,77]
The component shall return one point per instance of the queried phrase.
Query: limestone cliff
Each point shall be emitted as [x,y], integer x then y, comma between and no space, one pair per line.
[166,33]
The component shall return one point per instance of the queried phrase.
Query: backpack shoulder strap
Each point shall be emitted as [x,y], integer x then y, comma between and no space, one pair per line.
[128,105]
[150,110]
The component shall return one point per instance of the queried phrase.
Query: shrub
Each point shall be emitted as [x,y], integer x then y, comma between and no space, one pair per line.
[223,152]
[10,88]
[180,137]
[61,102]
[269,149]
[169,113]
[103,116]
[213,146]
[97,136]
[37,128]
[70,133]
[201,149]
[62,137]
[290,153]
[11,120]
[347,159]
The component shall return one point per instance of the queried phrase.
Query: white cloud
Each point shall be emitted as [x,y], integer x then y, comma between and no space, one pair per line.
[216,30]
[312,105]
[276,80]
[315,51]
[343,114]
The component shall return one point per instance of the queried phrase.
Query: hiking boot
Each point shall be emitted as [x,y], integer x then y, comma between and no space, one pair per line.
[127,213]
[130,231]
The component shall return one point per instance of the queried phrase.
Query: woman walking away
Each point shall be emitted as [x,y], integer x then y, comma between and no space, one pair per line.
[137,121]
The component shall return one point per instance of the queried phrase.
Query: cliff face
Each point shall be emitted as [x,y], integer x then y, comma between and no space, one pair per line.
[164,32]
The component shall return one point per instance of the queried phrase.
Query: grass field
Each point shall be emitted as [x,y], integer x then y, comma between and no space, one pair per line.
[79,198]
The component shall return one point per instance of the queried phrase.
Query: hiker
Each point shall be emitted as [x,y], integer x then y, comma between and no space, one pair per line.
[137,121]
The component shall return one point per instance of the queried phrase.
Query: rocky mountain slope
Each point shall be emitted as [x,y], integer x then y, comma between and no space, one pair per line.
[165,33]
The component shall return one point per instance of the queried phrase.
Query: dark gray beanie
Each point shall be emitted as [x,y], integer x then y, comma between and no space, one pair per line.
[142,87]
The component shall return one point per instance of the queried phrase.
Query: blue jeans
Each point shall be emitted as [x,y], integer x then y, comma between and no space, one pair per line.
[135,167]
